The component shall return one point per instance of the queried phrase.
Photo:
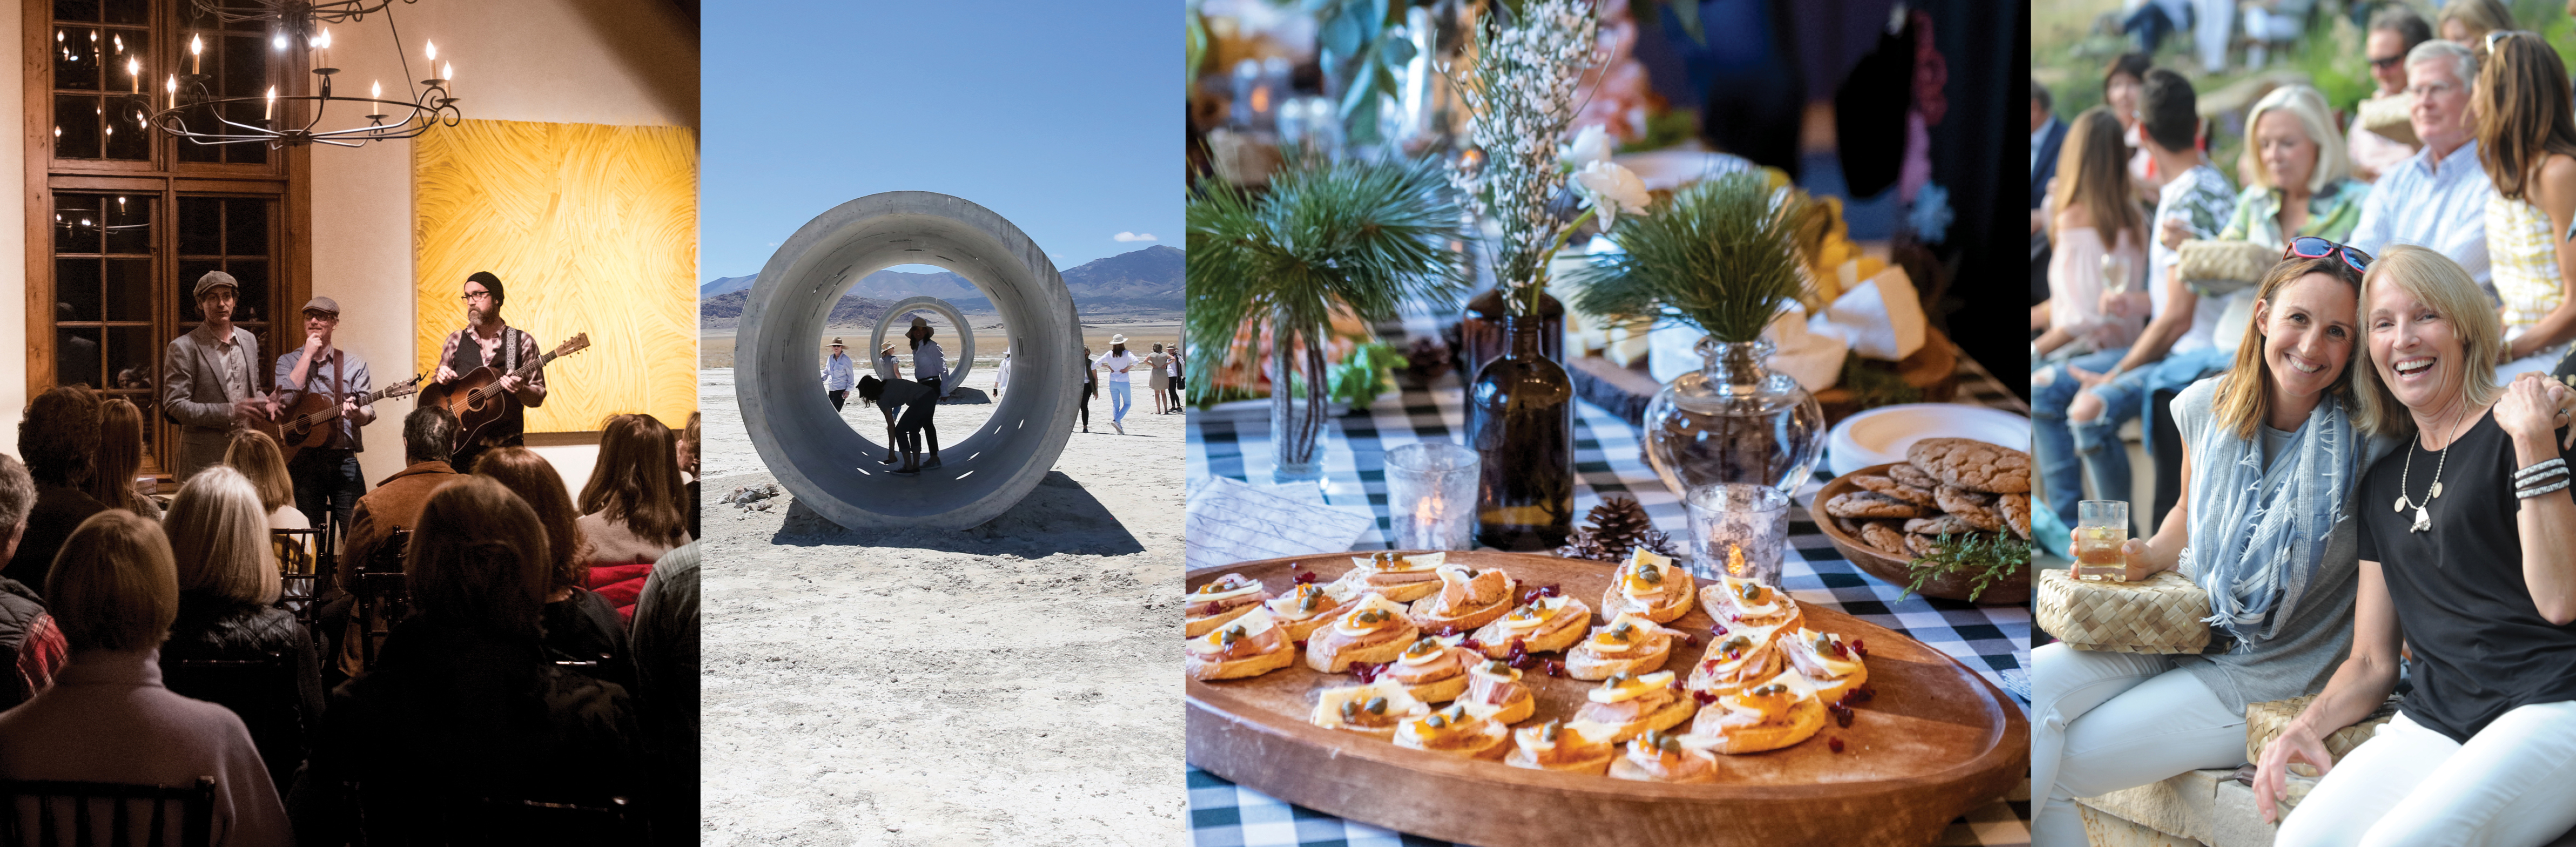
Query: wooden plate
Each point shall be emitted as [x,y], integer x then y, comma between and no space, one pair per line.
[1900,571]
[1936,741]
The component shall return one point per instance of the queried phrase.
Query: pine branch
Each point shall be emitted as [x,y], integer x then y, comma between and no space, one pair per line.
[1717,256]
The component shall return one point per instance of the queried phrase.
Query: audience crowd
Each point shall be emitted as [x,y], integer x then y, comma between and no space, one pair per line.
[466,659]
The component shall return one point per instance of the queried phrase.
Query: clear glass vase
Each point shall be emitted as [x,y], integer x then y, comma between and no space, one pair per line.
[1734,420]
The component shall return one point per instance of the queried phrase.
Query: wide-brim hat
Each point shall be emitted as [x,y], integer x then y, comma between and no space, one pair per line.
[918,320]
[1118,339]
[213,280]
[837,343]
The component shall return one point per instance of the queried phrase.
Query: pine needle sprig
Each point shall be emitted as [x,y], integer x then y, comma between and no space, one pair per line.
[1367,235]
[1985,558]
[1718,256]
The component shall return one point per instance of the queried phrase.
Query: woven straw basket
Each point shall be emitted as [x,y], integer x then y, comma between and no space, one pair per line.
[2159,615]
[2263,723]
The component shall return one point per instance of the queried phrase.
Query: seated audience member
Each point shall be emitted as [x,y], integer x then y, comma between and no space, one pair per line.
[2467,22]
[258,459]
[59,442]
[2090,325]
[580,625]
[120,459]
[631,506]
[2527,145]
[2394,30]
[228,589]
[665,640]
[31,646]
[2300,187]
[428,432]
[2121,83]
[689,470]
[107,718]
[463,703]
[2179,345]
[2438,197]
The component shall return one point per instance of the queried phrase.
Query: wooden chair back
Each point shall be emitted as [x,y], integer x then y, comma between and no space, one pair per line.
[105,814]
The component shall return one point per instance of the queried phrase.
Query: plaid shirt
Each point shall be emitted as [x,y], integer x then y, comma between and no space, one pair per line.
[492,356]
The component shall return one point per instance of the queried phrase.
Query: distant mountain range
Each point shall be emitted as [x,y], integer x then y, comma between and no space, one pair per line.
[1148,279]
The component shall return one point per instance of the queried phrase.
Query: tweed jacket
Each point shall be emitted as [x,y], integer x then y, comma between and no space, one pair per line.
[193,395]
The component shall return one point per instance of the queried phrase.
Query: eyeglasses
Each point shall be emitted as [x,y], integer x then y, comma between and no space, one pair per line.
[2436,89]
[2390,62]
[470,295]
[2312,247]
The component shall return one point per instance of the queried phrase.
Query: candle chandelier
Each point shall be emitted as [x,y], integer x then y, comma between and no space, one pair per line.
[188,109]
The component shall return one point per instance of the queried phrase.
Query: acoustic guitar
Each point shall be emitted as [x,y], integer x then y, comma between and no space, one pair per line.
[475,397]
[307,423]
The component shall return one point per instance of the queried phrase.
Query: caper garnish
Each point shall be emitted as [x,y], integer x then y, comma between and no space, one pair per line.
[1649,573]
[1617,679]
[1752,593]
[1768,690]
[1499,667]
[1376,706]
[1824,644]
[1736,645]
[1435,721]
[1306,603]
[1547,732]
[1350,710]
[1668,744]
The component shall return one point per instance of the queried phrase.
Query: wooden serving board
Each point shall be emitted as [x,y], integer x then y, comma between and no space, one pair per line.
[1936,741]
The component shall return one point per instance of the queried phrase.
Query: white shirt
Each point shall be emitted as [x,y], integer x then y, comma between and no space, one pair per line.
[2442,205]
[2160,259]
[1117,364]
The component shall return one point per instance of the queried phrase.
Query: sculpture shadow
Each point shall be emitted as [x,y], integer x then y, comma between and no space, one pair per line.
[1058,516]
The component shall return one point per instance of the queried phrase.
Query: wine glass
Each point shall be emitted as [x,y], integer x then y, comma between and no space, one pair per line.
[2115,273]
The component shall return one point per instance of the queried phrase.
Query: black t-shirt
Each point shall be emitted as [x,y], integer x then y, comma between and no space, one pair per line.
[2481,646]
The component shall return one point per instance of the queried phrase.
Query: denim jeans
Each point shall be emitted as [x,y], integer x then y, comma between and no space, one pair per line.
[327,484]
[2125,397]
[2052,390]
[1118,401]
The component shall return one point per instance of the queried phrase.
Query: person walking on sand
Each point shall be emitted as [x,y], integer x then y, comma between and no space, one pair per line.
[1158,382]
[1117,363]
[838,374]
[1090,388]
[1173,370]
[1002,375]
[930,368]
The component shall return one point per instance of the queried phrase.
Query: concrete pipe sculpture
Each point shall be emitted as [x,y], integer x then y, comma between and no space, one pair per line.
[962,362]
[830,466]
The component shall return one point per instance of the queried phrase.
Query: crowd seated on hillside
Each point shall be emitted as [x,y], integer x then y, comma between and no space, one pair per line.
[452,667]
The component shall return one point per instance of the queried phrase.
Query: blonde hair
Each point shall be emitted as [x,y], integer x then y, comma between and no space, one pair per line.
[113,587]
[120,456]
[2245,395]
[2524,114]
[2332,165]
[220,535]
[254,454]
[2443,285]
[2092,170]
[2479,16]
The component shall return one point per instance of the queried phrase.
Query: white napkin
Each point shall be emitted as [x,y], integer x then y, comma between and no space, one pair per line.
[1880,318]
[1815,361]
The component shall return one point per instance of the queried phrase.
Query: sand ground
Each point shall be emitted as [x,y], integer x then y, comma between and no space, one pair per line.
[715,346]
[1008,684]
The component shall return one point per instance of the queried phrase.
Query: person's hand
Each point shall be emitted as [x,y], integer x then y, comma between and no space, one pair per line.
[253,408]
[445,375]
[349,409]
[2133,555]
[2088,378]
[2174,234]
[2114,305]
[2526,411]
[510,384]
[2296,743]
[2039,219]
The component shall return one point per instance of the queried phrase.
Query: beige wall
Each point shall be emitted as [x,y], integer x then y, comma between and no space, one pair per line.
[625,62]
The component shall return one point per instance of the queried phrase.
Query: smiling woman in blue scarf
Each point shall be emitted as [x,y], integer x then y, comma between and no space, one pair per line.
[2271,452]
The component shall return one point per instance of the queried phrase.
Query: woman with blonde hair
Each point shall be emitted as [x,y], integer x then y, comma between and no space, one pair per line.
[114,592]
[2302,185]
[258,458]
[580,625]
[120,458]
[2466,22]
[2472,569]
[2527,143]
[228,588]
[465,693]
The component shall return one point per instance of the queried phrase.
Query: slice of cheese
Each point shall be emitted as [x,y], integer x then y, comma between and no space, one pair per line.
[1349,625]
[1252,624]
[1220,591]
[1835,667]
[1399,705]
[1531,617]
[1630,688]
[1640,631]
[1769,605]
[1635,584]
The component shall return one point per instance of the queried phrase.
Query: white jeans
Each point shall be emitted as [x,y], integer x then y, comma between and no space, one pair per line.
[2102,722]
[2512,785]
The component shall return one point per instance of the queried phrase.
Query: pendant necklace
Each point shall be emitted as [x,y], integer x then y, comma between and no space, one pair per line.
[2424,521]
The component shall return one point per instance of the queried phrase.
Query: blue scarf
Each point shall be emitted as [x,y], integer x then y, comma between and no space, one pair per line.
[2254,547]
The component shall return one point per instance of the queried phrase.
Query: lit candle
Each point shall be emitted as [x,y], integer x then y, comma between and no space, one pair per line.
[378,93]
[134,74]
[433,49]
[174,91]
[325,52]
[270,111]
[196,54]
[449,74]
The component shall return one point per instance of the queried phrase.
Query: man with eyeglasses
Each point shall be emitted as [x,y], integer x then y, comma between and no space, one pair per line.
[2436,198]
[505,348]
[327,480]
[210,379]
[2394,30]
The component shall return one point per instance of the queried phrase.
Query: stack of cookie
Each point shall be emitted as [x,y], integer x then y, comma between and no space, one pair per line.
[1946,486]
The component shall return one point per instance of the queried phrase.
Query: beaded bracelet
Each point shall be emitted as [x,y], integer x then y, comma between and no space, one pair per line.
[2535,479]
[2559,464]
[2528,493]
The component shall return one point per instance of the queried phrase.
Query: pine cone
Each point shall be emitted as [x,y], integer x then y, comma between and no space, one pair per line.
[1584,545]
[1621,526]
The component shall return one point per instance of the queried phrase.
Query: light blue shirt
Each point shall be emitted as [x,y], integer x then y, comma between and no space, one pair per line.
[928,363]
[837,374]
[2441,205]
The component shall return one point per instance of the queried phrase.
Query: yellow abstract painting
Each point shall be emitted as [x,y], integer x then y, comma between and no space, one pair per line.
[591,229]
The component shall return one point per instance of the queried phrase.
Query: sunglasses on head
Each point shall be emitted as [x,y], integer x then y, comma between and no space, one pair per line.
[2499,35]
[2312,247]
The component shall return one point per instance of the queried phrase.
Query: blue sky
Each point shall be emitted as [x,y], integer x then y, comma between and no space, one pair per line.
[1063,117]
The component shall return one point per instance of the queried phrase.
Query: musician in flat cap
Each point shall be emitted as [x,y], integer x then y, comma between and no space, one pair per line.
[327,480]
[488,340]
[210,379]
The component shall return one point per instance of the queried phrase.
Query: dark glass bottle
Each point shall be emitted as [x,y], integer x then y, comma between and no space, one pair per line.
[1520,420]
[1481,337]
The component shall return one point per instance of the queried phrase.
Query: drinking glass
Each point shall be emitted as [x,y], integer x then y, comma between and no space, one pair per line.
[1431,492]
[2101,526]
[1738,529]
[2115,273]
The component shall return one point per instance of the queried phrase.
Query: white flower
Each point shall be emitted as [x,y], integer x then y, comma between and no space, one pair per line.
[1610,189]
[1591,145]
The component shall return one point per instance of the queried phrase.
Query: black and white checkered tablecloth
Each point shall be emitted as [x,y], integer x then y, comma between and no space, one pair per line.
[1993,640]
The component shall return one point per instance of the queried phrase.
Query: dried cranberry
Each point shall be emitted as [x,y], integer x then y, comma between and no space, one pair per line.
[1676,686]
[1473,644]
[1717,629]
[1861,647]
[1366,671]
[1306,577]
[1840,650]
[1447,631]
[1866,693]
[1548,590]
[1703,697]
[1301,645]
[1516,650]
[1689,640]
[1842,714]
[1835,744]
[1551,667]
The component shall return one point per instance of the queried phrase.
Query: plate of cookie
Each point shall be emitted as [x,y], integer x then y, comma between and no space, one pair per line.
[1883,517]
[1513,699]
